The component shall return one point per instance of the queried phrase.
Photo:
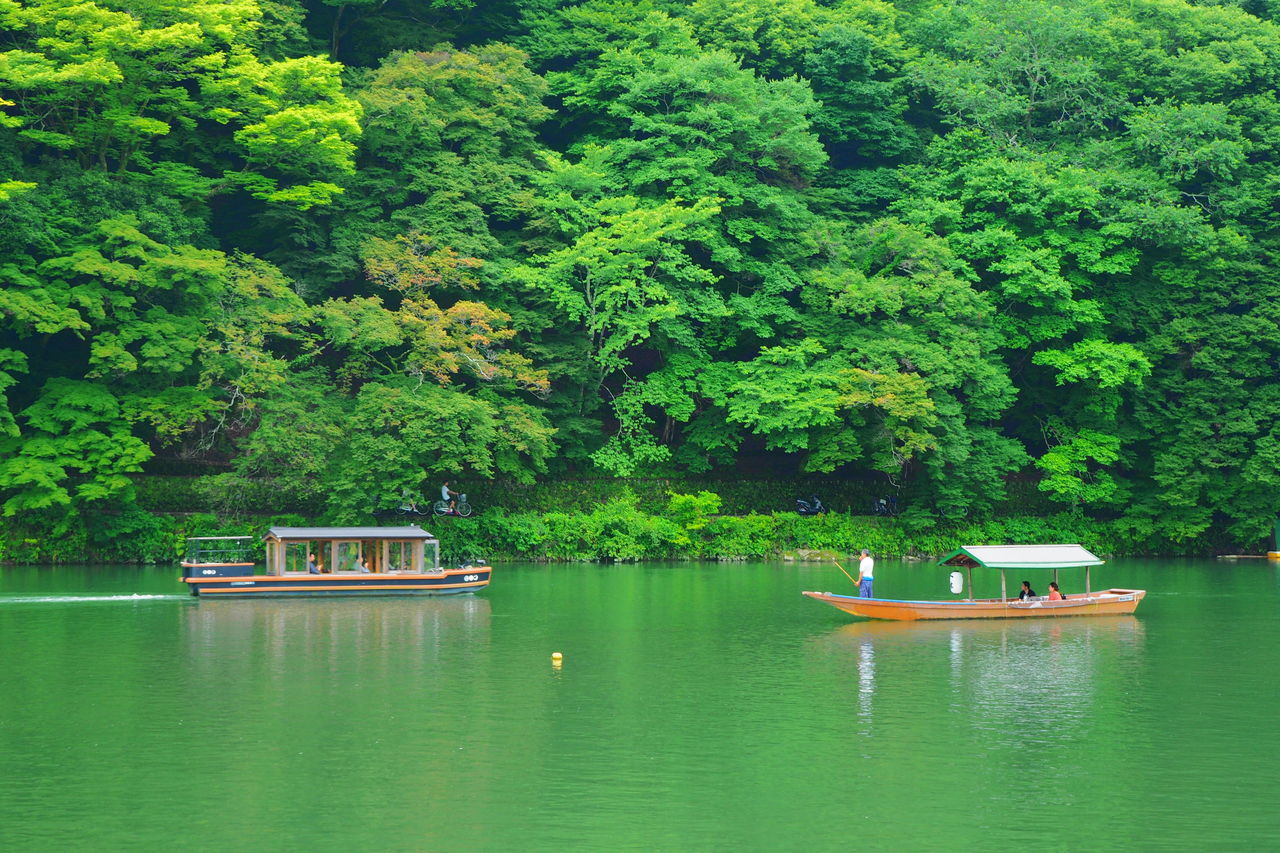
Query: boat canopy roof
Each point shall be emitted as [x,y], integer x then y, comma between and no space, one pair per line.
[1022,557]
[308,534]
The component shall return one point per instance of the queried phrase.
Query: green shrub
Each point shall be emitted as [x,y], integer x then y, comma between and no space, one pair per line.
[133,536]
[740,537]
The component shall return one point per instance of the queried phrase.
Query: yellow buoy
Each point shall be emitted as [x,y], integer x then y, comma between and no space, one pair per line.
[557,656]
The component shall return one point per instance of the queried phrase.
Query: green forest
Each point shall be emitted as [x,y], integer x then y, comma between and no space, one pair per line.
[345,250]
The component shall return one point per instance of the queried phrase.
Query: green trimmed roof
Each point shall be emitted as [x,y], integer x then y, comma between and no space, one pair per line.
[1022,557]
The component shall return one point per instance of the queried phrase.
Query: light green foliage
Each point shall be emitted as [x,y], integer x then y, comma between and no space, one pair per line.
[1185,140]
[892,303]
[108,83]
[696,158]
[451,142]
[294,124]
[1103,362]
[626,275]
[75,444]
[1023,72]
[1072,464]
[160,338]
[692,511]
[768,35]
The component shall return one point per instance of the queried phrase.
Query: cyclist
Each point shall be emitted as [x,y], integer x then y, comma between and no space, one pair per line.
[407,502]
[448,494]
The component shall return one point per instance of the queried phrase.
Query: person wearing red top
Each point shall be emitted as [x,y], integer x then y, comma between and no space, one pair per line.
[1055,594]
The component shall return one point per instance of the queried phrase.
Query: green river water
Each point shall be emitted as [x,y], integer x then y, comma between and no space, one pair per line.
[699,707]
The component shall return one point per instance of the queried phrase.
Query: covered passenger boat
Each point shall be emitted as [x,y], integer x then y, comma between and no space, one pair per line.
[1002,557]
[328,561]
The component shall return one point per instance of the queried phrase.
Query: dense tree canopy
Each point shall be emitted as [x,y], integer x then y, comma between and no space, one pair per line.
[356,245]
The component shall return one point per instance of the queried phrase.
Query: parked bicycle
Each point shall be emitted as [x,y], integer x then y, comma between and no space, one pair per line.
[885,505]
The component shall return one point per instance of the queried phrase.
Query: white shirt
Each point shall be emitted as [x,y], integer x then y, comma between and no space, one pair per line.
[444,493]
[865,568]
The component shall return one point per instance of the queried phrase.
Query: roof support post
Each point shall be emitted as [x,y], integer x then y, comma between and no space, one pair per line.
[969,572]
[1086,580]
[1002,592]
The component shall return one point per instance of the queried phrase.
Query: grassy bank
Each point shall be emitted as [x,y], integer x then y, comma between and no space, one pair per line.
[690,527]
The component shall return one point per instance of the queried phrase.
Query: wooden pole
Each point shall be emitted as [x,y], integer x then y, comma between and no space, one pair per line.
[846,574]
[1002,588]
[1086,580]
[969,572]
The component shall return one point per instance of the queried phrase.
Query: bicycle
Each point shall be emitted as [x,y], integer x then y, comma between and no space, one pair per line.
[403,510]
[462,509]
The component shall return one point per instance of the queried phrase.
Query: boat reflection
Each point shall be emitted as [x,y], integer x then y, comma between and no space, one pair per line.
[1003,675]
[929,631]
[287,631]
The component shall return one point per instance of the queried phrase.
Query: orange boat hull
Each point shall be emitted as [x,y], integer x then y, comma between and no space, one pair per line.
[1104,602]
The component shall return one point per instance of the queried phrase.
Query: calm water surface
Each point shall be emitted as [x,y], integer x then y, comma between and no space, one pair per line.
[699,707]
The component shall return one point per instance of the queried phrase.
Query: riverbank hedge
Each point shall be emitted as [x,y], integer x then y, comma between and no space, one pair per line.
[690,527]
[231,494]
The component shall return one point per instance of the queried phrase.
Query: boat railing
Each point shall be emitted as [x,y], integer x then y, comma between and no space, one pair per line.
[220,550]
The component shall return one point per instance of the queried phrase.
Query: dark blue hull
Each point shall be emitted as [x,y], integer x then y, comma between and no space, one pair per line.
[452,582]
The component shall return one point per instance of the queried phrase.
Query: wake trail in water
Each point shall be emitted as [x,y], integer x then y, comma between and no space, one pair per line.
[84,599]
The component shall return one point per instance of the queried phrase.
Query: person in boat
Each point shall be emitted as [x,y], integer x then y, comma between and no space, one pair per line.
[1026,591]
[359,566]
[448,494]
[1055,594]
[313,568]
[866,572]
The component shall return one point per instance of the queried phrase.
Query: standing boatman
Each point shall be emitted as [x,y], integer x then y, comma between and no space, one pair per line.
[866,572]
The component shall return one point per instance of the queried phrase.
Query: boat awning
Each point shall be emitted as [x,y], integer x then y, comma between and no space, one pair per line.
[1022,557]
[409,532]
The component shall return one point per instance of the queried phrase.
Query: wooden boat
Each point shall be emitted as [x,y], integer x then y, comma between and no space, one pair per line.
[1002,557]
[328,561]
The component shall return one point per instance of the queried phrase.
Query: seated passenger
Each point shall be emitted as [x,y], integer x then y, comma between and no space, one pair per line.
[359,566]
[1027,591]
[313,568]
[1055,594]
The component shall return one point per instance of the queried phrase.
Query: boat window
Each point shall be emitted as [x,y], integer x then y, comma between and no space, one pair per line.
[295,556]
[345,555]
[399,556]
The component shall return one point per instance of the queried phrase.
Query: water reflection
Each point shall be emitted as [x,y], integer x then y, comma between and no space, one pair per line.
[1004,676]
[866,677]
[281,630]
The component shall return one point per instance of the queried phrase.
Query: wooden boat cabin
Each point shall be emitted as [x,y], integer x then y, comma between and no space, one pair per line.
[327,561]
[1023,558]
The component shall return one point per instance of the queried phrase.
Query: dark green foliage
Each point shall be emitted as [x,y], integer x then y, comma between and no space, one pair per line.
[977,255]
